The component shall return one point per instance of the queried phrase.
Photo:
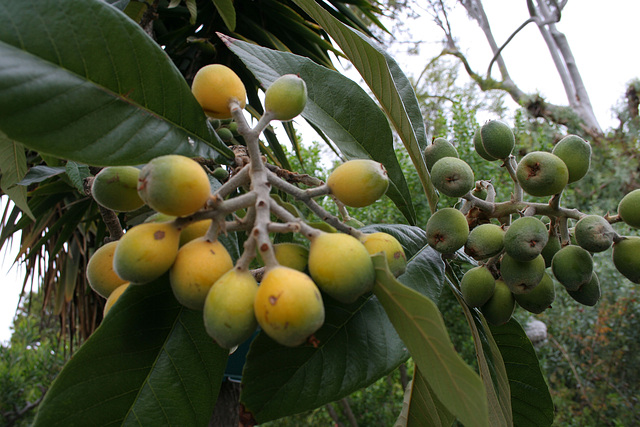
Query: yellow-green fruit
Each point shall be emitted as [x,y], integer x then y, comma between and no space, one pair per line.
[390,246]
[499,309]
[477,286]
[626,258]
[594,233]
[286,97]
[525,238]
[174,185]
[575,152]
[542,174]
[100,274]
[214,87]
[447,230]
[572,267]
[117,292]
[497,139]
[358,183]
[550,249]
[521,276]
[452,176]
[291,255]
[589,293]
[146,252]
[477,144]
[540,297]
[484,241]
[197,267]
[438,149]
[228,308]
[629,208]
[288,306]
[341,266]
[160,217]
[115,188]
[225,134]
[194,230]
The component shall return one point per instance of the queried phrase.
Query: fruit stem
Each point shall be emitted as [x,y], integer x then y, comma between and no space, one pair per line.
[511,165]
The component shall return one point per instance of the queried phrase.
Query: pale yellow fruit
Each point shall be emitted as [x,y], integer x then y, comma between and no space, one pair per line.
[389,245]
[115,295]
[100,274]
[214,87]
[358,183]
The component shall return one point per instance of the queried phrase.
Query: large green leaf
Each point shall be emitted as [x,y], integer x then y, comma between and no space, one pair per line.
[339,107]
[421,407]
[151,363]
[13,166]
[83,82]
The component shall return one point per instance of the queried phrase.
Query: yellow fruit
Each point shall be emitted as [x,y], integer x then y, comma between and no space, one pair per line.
[100,274]
[383,242]
[288,306]
[115,188]
[197,267]
[215,86]
[292,255]
[115,295]
[194,230]
[286,97]
[358,183]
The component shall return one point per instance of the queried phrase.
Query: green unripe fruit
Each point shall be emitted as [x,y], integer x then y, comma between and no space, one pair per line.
[499,309]
[389,245]
[116,188]
[221,174]
[521,276]
[572,267]
[485,241]
[358,183]
[198,265]
[452,176]
[497,139]
[542,174]
[286,97]
[102,279]
[115,295]
[480,193]
[539,298]
[525,238]
[341,266]
[575,152]
[288,306]
[447,230]
[550,249]
[228,312]
[629,208]
[477,286]
[477,144]
[233,127]
[594,233]
[146,252]
[291,255]
[174,185]
[215,86]
[438,149]
[589,293]
[626,258]
[225,134]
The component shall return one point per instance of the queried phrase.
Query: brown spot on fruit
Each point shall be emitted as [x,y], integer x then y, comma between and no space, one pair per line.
[159,235]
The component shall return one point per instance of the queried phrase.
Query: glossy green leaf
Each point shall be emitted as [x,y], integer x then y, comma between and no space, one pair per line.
[149,363]
[13,166]
[88,84]
[227,12]
[419,323]
[77,173]
[338,106]
[40,173]
[421,408]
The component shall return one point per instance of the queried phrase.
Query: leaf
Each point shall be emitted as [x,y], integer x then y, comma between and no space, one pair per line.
[150,362]
[338,106]
[102,94]
[413,239]
[13,166]
[227,13]
[40,173]
[77,173]
[418,322]
[421,407]
[530,398]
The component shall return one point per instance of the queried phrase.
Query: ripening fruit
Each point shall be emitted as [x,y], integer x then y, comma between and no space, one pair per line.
[575,152]
[115,295]
[452,176]
[594,233]
[477,144]
[146,252]
[485,241]
[629,208]
[521,276]
[288,306]
[499,309]
[100,274]
[497,139]
[291,255]
[572,266]
[174,185]
[542,174]
[341,266]
[539,298]
[358,183]
[525,238]
[198,265]
[477,286]
[286,97]
[194,230]
[438,149]
[550,249]
[589,293]
[228,312]
[626,258]
[447,230]
[384,242]
[116,188]
[214,87]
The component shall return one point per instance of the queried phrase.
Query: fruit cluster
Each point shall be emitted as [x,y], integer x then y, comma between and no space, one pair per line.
[181,238]
[516,241]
